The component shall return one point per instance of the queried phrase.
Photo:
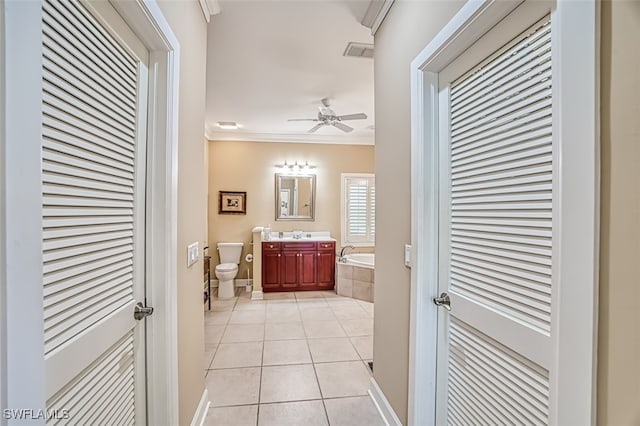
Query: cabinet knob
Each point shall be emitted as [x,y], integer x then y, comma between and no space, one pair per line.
[278,254]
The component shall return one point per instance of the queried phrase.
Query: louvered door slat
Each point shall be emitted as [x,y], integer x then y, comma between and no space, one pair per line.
[89,394]
[488,74]
[94,89]
[77,27]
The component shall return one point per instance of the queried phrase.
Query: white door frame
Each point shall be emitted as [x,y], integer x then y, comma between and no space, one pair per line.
[22,367]
[576,127]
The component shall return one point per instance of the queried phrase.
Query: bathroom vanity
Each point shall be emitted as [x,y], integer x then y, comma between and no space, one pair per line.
[289,265]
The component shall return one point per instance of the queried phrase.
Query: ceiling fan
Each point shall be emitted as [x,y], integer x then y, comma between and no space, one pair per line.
[327,117]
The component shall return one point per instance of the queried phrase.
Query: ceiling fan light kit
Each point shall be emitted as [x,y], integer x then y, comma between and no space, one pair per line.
[327,117]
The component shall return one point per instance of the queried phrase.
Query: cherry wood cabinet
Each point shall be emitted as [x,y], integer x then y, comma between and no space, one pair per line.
[298,266]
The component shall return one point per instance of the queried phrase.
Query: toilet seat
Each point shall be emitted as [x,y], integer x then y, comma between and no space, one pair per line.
[227,267]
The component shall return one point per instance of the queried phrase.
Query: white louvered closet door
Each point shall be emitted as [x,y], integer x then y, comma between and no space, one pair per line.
[93,171]
[496,232]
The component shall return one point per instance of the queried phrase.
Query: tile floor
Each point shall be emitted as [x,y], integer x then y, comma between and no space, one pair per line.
[291,359]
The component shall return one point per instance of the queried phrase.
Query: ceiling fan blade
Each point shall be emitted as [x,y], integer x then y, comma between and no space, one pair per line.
[358,116]
[302,119]
[342,127]
[316,127]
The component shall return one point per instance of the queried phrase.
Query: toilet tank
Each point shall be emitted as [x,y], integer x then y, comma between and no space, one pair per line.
[230,252]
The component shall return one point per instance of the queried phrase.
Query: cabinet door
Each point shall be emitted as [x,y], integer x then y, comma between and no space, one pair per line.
[308,267]
[326,265]
[290,267]
[271,270]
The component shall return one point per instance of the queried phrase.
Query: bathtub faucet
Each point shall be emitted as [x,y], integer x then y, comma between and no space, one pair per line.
[342,259]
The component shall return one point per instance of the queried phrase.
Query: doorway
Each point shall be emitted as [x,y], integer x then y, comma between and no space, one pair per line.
[511,196]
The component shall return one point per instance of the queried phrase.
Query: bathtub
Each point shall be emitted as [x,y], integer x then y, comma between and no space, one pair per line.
[366,260]
[355,276]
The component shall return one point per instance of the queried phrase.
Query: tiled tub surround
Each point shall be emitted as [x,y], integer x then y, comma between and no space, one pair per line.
[355,281]
[295,358]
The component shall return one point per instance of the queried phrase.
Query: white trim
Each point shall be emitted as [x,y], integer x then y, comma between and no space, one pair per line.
[382,405]
[200,416]
[3,265]
[25,375]
[209,8]
[238,282]
[257,295]
[221,136]
[577,85]
[576,72]
[376,12]
[149,23]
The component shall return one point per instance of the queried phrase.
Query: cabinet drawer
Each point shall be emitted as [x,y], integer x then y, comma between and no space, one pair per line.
[326,246]
[307,245]
[267,246]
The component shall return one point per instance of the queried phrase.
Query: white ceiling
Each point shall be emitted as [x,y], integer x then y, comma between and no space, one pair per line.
[269,61]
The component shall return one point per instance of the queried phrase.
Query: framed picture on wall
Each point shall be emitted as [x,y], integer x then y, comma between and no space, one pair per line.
[232,202]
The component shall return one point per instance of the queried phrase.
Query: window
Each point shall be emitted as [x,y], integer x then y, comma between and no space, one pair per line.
[358,209]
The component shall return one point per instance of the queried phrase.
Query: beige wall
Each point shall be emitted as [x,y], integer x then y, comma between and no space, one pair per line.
[188,24]
[251,167]
[408,27]
[619,339]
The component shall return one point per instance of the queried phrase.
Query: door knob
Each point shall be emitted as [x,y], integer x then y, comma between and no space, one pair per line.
[140,311]
[443,301]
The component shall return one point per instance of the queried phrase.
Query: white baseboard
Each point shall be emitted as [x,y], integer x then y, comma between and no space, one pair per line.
[239,282]
[257,295]
[203,408]
[383,406]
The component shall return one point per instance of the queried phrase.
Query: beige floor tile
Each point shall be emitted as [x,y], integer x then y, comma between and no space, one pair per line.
[279,296]
[236,355]
[317,314]
[282,352]
[250,305]
[338,379]
[334,349]
[236,333]
[309,295]
[307,413]
[364,346]
[358,327]
[288,383]
[222,305]
[355,411]
[331,294]
[213,334]
[243,415]
[247,317]
[216,317]
[314,303]
[283,313]
[342,303]
[208,356]
[322,329]
[348,313]
[283,331]
[236,386]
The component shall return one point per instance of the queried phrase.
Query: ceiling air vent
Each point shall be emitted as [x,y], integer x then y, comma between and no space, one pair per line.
[359,50]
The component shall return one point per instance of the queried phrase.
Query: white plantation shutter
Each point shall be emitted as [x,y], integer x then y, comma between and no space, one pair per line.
[358,193]
[92,171]
[500,236]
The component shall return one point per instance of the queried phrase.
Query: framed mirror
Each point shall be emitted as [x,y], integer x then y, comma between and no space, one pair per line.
[295,197]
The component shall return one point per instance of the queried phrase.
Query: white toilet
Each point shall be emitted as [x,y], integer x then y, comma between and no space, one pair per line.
[227,270]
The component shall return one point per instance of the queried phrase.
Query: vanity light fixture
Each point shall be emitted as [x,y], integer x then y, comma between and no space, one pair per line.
[228,125]
[296,167]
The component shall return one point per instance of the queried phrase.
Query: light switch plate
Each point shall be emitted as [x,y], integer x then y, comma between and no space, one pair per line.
[407,255]
[192,254]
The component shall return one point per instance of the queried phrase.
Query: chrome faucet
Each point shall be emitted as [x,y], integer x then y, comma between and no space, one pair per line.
[342,252]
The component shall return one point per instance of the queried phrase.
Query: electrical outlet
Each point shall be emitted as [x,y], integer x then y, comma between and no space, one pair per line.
[192,254]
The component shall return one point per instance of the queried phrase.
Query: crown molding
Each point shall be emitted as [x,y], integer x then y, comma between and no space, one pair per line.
[288,138]
[209,8]
[376,13]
